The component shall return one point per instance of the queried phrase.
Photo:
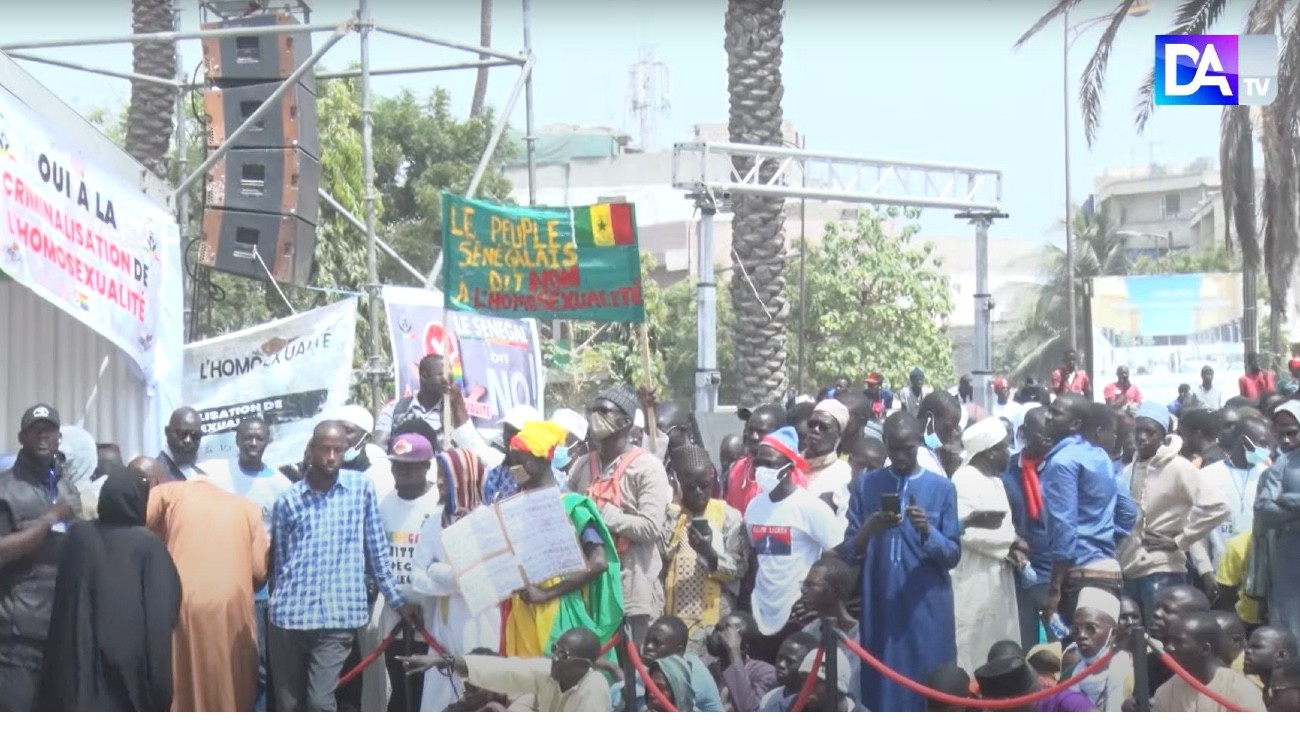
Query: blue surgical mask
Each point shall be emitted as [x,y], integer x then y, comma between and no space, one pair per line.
[1255,455]
[931,439]
[351,454]
[560,457]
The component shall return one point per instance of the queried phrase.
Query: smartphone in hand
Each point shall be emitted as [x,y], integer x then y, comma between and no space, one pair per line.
[890,503]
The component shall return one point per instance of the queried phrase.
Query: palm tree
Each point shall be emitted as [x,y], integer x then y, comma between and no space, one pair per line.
[1045,319]
[484,40]
[753,44]
[1275,125]
[151,117]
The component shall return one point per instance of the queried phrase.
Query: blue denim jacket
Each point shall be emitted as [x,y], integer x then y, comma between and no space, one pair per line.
[1081,495]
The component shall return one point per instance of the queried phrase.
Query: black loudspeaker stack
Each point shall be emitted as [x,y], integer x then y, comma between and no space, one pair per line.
[261,200]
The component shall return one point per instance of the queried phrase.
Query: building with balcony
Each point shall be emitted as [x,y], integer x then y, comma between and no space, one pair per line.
[1163,207]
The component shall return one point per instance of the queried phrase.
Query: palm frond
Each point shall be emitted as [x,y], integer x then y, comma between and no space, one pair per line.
[1144,105]
[1195,17]
[1094,74]
[1237,173]
[1287,102]
[1263,16]
[1061,7]
[1041,359]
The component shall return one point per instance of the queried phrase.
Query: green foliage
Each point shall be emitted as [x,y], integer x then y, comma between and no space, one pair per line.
[876,301]
[1209,259]
[420,148]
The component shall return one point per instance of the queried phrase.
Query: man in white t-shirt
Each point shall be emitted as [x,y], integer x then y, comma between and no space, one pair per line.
[404,512]
[789,528]
[248,476]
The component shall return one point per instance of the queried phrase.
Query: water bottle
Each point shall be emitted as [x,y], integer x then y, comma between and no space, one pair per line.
[1028,576]
[1058,628]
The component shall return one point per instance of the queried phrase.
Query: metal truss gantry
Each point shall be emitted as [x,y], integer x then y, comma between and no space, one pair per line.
[712,174]
[364,25]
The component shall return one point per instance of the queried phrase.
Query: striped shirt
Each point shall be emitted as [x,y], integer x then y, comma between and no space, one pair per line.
[324,544]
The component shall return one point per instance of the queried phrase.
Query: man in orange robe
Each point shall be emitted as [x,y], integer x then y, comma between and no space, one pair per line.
[219,546]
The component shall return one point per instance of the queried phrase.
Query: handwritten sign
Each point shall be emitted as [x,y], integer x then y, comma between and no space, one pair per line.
[574,263]
[80,238]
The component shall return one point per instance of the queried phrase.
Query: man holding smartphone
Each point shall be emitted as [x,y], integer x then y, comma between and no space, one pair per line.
[903,537]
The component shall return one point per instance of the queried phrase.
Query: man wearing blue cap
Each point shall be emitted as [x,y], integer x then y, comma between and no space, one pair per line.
[1176,512]
[909,398]
[789,527]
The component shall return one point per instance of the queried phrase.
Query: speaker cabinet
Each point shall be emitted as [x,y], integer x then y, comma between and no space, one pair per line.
[282,181]
[290,123]
[236,60]
[233,242]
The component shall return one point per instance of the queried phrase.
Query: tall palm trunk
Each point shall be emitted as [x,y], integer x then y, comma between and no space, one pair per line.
[753,44]
[484,40]
[150,118]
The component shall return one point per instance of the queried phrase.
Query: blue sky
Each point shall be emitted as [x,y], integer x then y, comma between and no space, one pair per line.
[927,80]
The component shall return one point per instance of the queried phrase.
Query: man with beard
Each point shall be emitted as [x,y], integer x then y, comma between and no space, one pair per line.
[630,486]
[34,516]
[1032,551]
[829,475]
[184,432]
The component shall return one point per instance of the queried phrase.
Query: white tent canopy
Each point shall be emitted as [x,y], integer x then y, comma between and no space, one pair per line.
[108,360]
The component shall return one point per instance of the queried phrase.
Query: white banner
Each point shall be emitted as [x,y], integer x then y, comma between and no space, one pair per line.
[84,240]
[293,372]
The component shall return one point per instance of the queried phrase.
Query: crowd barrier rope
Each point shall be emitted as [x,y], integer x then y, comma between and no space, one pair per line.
[1190,679]
[983,704]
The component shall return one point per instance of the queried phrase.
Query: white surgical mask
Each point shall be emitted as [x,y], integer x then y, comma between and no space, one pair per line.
[767,478]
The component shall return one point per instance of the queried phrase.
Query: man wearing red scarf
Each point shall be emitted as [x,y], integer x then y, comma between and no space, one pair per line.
[741,488]
[1033,536]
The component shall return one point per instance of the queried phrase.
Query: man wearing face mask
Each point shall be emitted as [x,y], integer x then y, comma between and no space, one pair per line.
[630,486]
[789,528]
[362,455]
[1094,632]
[941,416]
[741,487]
[1176,511]
[1237,478]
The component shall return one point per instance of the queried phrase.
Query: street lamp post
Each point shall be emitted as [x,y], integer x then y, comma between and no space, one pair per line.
[1136,10]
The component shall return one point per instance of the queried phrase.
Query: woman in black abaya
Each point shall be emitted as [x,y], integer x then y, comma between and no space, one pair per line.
[115,606]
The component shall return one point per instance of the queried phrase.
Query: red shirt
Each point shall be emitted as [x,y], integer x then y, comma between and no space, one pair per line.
[1078,382]
[1253,387]
[1131,394]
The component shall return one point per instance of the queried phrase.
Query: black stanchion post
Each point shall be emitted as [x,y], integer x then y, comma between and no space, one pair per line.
[831,662]
[408,680]
[1141,679]
[629,672]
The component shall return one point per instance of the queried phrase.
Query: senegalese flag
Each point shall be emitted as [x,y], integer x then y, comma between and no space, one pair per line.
[606,224]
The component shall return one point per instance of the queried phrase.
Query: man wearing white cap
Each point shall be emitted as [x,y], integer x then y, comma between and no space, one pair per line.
[576,425]
[983,584]
[829,475]
[1094,632]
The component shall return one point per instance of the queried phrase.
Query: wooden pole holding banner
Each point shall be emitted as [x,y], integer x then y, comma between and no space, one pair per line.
[651,423]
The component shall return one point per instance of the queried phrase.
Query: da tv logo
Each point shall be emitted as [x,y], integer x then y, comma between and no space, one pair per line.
[1216,70]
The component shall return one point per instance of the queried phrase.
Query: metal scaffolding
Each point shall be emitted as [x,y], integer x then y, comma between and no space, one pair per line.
[711,175]
[363,24]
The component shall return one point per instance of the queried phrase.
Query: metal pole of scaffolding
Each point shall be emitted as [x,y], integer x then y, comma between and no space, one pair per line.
[530,133]
[982,373]
[366,25]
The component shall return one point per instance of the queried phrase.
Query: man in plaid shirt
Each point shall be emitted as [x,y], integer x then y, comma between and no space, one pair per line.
[326,534]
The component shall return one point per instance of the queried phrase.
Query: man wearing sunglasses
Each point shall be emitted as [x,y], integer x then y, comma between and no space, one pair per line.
[828,476]
[184,432]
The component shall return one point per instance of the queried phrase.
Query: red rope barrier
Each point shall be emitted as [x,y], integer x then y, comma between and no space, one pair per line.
[810,683]
[613,642]
[650,686]
[366,661]
[1000,704]
[1197,685]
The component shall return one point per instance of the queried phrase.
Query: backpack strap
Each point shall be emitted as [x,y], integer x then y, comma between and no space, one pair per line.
[624,462]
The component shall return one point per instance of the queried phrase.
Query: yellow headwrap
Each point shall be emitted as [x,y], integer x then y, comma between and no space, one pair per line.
[539,438]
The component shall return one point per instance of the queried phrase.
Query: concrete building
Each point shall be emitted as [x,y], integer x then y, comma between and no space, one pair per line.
[1164,207]
[582,166]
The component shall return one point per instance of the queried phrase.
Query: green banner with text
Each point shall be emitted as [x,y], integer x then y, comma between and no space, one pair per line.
[579,263]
